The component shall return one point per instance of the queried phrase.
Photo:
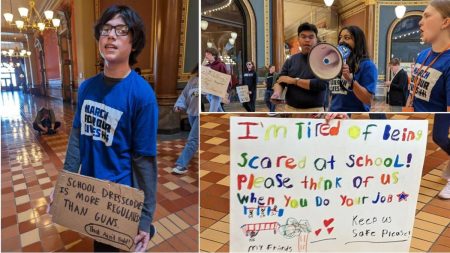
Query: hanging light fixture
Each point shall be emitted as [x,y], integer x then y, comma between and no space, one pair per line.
[233,35]
[400,10]
[328,2]
[209,44]
[16,53]
[31,19]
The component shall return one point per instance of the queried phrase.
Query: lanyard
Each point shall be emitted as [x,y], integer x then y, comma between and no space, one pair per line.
[419,75]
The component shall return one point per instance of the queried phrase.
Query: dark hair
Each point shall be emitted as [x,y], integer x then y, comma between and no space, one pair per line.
[360,51]
[307,27]
[138,70]
[134,23]
[213,51]
[395,62]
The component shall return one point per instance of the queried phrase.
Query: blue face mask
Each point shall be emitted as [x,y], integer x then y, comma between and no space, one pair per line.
[345,51]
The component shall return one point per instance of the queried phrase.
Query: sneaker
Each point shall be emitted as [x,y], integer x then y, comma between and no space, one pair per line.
[152,231]
[179,170]
[445,193]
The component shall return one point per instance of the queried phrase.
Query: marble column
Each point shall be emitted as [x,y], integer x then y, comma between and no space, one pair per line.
[278,33]
[168,20]
[83,44]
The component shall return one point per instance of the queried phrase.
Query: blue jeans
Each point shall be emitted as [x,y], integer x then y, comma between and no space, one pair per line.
[269,104]
[214,103]
[191,145]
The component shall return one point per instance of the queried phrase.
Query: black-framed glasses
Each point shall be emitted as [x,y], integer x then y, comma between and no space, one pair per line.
[120,30]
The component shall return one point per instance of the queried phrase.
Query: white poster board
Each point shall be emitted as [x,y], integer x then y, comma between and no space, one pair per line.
[302,185]
[242,92]
[214,82]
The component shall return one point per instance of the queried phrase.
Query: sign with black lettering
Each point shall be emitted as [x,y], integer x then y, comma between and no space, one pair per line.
[214,82]
[243,94]
[105,211]
[305,185]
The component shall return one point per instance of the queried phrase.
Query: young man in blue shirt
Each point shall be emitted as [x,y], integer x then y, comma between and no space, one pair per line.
[114,131]
[305,93]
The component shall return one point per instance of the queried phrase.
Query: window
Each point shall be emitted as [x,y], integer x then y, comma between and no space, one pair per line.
[405,41]
[8,76]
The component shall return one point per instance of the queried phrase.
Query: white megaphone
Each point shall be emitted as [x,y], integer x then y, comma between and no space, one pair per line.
[326,60]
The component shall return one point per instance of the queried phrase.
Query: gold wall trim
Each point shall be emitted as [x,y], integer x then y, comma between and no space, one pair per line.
[348,5]
[97,9]
[252,23]
[266,33]
[354,11]
[377,32]
[151,39]
[406,3]
[183,76]
[96,16]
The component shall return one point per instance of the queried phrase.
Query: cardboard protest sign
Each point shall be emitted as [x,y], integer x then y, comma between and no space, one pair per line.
[214,82]
[107,212]
[303,185]
[242,92]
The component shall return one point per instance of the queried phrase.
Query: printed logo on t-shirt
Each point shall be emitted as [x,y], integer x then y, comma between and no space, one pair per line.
[427,82]
[336,86]
[194,92]
[99,121]
[248,74]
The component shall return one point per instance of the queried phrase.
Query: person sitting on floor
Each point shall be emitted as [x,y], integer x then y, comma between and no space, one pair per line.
[45,122]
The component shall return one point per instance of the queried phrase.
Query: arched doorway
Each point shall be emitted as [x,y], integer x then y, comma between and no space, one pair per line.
[403,41]
[229,26]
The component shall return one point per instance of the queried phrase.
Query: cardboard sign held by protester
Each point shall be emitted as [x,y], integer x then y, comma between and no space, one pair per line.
[242,92]
[107,212]
[214,82]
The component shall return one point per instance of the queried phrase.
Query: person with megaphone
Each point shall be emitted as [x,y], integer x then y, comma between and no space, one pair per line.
[431,73]
[305,92]
[353,91]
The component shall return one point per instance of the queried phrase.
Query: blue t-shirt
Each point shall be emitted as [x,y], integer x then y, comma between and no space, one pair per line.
[115,122]
[346,101]
[433,90]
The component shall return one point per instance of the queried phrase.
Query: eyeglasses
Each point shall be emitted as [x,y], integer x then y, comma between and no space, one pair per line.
[120,30]
[249,64]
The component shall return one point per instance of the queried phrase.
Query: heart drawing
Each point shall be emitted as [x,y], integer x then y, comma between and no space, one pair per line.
[326,223]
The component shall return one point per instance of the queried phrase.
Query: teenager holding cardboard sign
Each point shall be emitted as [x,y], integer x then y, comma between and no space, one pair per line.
[114,130]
